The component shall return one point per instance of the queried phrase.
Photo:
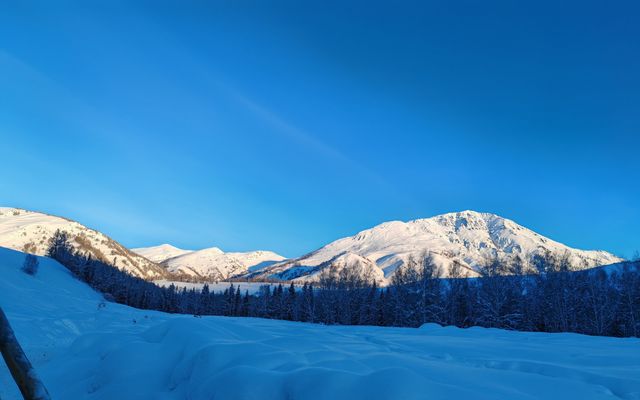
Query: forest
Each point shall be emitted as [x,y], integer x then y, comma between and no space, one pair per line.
[599,301]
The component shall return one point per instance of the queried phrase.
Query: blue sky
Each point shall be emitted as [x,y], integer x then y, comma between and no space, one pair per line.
[286,126]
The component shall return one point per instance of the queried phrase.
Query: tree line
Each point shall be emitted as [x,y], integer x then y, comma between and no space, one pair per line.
[594,302]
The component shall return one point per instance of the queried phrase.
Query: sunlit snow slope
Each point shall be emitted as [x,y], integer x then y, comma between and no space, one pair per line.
[84,348]
[468,238]
[30,232]
[213,264]
[160,253]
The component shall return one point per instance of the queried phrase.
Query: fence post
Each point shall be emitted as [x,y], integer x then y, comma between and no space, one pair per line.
[23,373]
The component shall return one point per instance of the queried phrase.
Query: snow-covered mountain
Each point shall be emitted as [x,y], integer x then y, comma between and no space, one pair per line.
[466,238]
[213,264]
[30,232]
[160,253]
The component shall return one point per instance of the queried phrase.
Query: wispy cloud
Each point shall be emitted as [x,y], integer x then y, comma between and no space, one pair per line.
[289,130]
[303,137]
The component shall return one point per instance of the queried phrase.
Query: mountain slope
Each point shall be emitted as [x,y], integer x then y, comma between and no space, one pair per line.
[160,253]
[30,232]
[213,264]
[465,238]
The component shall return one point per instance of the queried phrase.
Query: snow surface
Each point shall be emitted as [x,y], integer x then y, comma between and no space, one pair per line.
[30,232]
[84,348]
[160,253]
[467,238]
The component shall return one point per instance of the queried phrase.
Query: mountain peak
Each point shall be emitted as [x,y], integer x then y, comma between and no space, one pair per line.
[467,238]
[466,214]
[211,250]
[161,252]
[168,246]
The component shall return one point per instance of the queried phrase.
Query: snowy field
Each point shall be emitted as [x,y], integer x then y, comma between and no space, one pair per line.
[84,348]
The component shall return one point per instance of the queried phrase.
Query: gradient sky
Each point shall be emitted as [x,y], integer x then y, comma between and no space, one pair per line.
[284,127]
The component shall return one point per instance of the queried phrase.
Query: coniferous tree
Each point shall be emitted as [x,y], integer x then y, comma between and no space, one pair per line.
[290,311]
[244,310]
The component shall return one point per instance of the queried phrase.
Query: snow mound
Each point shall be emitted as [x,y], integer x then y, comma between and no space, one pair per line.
[465,238]
[83,347]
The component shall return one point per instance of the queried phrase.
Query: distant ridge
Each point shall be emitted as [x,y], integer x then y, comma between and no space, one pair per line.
[213,264]
[160,253]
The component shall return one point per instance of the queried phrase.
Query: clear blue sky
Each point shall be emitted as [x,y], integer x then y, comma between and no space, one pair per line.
[286,126]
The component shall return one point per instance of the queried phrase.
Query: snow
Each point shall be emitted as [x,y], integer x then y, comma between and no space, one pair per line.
[83,347]
[467,238]
[214,264]
[30,231]
[160,253]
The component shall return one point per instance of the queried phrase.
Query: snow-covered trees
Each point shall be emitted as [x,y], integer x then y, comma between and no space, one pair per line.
[629,312]
[595,302]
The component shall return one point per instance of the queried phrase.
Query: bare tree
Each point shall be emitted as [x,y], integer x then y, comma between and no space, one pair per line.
[30,266]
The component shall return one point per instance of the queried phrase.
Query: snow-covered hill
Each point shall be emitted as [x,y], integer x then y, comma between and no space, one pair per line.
[83,347]
[30,232]
[160,253]
[468,238]
[213,264]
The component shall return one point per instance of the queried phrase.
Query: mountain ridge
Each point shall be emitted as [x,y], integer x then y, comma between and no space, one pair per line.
[213,264]
[30,231]
[161,252]
[467,238]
